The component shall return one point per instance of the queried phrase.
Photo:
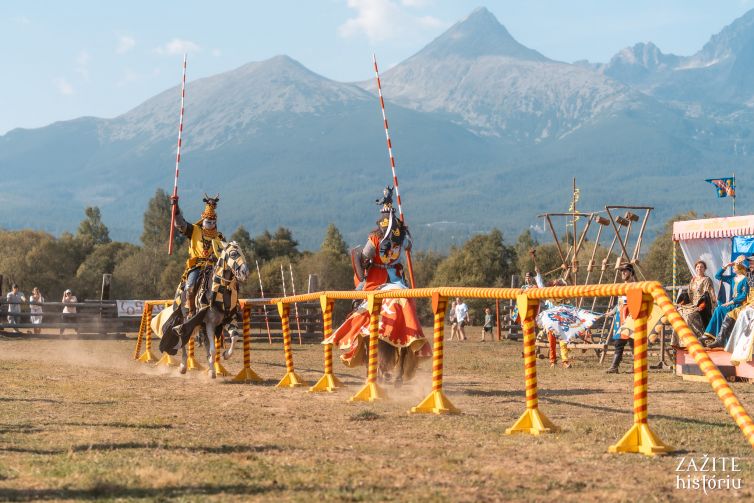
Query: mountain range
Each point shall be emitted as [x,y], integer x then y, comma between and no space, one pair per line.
[487,133]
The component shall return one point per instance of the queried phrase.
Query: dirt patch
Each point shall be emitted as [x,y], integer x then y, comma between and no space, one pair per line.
[81,420]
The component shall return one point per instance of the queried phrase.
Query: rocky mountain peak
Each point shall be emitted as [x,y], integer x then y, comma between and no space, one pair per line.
[479,34]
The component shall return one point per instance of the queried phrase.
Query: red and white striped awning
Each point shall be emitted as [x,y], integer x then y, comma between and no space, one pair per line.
[714,228]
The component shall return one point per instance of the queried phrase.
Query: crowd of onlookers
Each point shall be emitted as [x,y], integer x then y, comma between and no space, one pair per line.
[15,299]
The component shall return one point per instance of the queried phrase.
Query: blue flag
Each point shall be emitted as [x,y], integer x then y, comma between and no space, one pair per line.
[726,187]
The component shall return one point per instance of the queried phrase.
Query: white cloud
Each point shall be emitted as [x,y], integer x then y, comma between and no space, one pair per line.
[63,86]
[177,46]
[375,18]
[386,19]
[125,44]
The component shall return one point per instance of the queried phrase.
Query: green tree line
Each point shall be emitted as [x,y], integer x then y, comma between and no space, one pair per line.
[77,261]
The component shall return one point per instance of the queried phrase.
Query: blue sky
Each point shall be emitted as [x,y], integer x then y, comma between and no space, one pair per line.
[63,60]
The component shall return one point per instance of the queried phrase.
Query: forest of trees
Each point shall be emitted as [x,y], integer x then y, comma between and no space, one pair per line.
[77,261]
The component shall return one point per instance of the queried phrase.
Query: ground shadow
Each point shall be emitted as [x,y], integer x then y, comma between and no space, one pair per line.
[629,411]
[200,449]
[104,491]
[30,400]
[520,392]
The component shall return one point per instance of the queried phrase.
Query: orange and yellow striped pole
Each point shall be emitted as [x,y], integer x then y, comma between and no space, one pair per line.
[328,382]
[715,378]
[147,357]
[371,391]
[220,370]
[437,402]
[640,437]
[191,361]
[291,379]
[532,421]
[246,374]
[140,335]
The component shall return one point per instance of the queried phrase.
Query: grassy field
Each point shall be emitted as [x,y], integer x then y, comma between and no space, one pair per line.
[81,420]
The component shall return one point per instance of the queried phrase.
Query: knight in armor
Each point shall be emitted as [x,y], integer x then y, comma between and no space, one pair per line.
[378,262]
[377,266]
[203,246]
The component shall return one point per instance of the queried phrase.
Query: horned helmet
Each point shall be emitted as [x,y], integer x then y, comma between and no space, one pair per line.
[209,215]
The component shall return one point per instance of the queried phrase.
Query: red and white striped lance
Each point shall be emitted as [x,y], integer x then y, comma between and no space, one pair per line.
[392,166]
[264,306]
[387,137]
[295,304]
[177,157]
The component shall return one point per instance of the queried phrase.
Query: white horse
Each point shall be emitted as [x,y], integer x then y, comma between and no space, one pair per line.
[218,308]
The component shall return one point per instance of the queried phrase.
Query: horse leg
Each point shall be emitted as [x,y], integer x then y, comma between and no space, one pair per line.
[234,336]
[401,361]
[211,349]
[184,359]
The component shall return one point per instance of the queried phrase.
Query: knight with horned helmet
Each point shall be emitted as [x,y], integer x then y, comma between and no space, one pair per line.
[203,246]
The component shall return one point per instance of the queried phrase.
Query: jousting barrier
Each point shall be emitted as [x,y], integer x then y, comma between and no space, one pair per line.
[640,296]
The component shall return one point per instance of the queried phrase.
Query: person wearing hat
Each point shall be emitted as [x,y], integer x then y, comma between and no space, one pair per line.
[203,246]
[622,336]
[739,287]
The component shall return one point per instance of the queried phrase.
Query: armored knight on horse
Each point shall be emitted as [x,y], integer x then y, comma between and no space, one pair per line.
[208,292]
[377,266]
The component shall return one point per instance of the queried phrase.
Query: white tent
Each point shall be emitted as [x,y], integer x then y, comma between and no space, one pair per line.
[717,241]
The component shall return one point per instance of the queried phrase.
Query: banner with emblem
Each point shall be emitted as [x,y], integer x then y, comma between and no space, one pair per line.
[566,322]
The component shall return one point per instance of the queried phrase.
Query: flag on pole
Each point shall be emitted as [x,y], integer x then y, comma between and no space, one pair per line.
[726,187]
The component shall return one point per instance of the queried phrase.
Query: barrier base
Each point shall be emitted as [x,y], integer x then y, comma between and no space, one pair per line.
[147,357]
[291,380]
[532,421]
[640,438]
[435,403]
[369,393]
[328,383]
[247,375]
[220,371]
[193,364]
[167,361]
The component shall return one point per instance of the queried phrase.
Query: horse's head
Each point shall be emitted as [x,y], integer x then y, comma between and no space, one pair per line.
[232,258]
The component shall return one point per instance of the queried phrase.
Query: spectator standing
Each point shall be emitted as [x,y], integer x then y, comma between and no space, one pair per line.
[36,310]
[622,336]
[14,299]
[462,318]
[453,322]
[69,311]
[489,322]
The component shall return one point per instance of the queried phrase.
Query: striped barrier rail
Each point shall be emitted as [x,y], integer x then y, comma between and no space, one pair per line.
[640,438]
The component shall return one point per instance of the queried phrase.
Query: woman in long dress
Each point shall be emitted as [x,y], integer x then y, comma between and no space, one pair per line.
[702,300]
[739,291]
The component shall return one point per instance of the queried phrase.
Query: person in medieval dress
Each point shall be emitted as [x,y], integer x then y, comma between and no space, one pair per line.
[697,308]
[377,267]
[731,319]
[739,287]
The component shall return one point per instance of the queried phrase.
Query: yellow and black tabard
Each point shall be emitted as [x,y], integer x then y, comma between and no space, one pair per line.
[204,246]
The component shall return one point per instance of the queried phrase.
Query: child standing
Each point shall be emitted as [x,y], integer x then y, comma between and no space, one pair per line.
[489,322]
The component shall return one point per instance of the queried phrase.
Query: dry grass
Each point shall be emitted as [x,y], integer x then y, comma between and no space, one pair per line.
[80,420]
